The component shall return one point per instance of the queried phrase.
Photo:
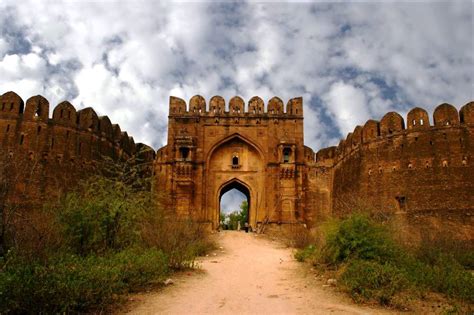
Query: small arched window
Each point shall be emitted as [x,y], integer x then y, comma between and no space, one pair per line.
[235,160]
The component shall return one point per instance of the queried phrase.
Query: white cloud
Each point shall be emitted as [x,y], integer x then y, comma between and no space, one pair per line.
[3,47]
[232,200]
[350,61]
[347,105]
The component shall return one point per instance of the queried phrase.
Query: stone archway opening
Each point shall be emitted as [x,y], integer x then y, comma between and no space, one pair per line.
[233,213]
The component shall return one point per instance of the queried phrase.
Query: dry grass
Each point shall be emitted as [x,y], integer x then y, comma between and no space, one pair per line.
[298,236]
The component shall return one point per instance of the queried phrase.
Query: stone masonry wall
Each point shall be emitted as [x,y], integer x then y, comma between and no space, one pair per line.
[62,148]
[423,173]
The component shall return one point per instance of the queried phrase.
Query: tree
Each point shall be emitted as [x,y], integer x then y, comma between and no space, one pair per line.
[244,210]
[237,216]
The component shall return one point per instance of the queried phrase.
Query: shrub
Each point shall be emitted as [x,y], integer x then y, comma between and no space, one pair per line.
[444,274]
[182,240]
[374,267]
[357,237]
[70,283]
[298,236]
[102,215]
[367,280]
[305,253]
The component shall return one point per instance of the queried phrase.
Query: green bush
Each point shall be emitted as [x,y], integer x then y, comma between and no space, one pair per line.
[372,280]
[305,253]
[444,274]
[430,250]
[103,215]
[374,267]
[357,237]
[70,283]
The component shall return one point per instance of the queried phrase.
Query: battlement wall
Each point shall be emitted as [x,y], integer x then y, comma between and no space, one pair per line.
[67,145]
[81,134]
[255,107]
[392,127]
[420,170]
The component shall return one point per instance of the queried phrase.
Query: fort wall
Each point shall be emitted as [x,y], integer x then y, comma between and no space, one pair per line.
[420,171]
[63,148]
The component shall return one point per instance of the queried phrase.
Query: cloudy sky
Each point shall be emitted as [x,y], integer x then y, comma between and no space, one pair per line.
[350,61]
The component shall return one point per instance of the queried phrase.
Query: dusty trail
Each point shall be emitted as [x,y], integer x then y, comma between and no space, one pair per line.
[249,275]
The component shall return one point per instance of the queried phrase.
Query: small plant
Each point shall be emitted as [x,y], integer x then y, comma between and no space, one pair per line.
[372,280]
[305,253]
[357,237]
[298,236]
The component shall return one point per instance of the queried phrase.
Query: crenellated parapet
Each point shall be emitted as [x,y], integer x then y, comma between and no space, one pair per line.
[417,168]
[77,134]
[54,152]
[236,107]
[392,127]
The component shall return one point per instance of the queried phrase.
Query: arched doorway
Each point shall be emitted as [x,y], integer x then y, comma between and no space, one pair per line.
[238,194]
[235,163]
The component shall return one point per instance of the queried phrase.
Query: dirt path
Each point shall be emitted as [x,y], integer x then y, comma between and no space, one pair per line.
[248,275]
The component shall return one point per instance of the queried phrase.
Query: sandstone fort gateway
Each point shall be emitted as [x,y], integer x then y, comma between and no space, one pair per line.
[420,170]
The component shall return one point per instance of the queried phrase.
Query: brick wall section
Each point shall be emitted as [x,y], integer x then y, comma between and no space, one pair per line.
[423,172]
[65,147]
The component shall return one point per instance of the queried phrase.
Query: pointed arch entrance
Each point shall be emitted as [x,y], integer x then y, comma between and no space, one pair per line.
[241,187]
[235,163]
[209,148]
